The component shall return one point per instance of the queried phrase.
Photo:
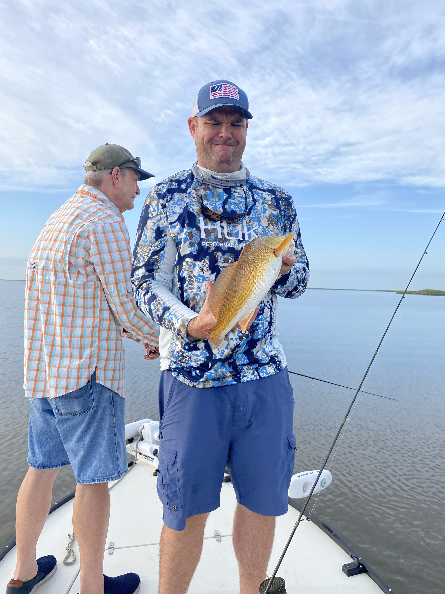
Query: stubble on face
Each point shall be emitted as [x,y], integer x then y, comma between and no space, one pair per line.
[220,139]
[130,188]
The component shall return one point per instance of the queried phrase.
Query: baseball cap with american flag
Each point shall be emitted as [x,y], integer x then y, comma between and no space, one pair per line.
[218,93]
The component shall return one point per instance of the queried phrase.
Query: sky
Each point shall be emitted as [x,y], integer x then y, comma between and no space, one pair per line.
[347,98]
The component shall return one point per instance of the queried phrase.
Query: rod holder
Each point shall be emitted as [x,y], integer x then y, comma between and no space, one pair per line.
[277,586]
[354,568]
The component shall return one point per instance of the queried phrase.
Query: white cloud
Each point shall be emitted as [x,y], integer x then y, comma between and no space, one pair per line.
[340,91]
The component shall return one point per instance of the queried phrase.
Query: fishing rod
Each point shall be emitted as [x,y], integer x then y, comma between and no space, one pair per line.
[276,585]
[340,385]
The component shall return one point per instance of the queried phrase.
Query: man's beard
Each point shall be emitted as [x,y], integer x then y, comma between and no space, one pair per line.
[224,159]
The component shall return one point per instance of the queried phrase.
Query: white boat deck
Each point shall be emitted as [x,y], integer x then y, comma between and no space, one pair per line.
[312,565]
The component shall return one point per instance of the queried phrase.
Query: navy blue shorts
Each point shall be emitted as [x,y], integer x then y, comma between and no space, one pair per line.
[247,426]
[84,428]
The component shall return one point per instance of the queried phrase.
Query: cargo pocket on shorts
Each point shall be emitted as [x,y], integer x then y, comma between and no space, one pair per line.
[169,489]
[290,443]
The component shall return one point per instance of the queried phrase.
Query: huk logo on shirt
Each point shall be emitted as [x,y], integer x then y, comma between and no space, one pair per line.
[223,231]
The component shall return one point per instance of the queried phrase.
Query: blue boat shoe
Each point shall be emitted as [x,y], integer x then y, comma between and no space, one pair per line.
[46,568]
[129,583]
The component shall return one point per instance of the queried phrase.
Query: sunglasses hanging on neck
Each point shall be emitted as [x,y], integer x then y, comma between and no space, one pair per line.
[210,214]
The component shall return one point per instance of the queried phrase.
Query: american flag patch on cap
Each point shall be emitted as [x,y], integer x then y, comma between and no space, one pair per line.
[224,90]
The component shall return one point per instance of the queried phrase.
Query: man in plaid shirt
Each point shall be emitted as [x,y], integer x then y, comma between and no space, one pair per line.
[79,301]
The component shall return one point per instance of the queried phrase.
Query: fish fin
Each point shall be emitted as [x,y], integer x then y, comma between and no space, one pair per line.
[214,340]
[244,323]
[219,288]
[284,245]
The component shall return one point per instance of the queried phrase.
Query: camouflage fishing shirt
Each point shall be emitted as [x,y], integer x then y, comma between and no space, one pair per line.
[177,249]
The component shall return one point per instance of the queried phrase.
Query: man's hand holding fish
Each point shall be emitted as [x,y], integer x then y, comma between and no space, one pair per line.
[201,326]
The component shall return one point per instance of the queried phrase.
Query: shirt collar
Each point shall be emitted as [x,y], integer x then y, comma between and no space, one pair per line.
[212,178]
[96,194]
[235,175]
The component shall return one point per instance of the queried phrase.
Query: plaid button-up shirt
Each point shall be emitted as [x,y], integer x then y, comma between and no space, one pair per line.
[79,299]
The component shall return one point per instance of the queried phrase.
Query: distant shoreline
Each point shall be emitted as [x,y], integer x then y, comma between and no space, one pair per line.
[430,292]
[373,290]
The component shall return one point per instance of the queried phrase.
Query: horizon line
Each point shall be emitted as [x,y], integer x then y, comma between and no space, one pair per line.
[22,280]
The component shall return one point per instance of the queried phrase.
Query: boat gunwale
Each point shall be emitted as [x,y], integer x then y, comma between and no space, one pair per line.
[11,544]
[338,540]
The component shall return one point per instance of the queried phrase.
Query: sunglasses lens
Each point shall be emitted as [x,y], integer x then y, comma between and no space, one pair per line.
[136,160]
[215,216]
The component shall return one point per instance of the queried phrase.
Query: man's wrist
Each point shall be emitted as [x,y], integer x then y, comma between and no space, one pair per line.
[189,327]
[189,330]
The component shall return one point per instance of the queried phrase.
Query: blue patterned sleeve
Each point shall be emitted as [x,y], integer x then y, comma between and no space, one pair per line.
[293,283]
[154,258]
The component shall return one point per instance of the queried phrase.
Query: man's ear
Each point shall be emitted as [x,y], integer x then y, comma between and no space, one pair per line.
[247,124]
[115,176]
[192,126]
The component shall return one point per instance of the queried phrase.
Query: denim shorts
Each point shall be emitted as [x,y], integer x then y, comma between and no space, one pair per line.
[246,426]
[84,428]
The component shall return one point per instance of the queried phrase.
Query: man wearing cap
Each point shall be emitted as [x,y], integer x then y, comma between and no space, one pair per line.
[231,404]
[79,300]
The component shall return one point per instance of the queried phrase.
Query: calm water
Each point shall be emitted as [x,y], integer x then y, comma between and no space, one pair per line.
[387,499]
